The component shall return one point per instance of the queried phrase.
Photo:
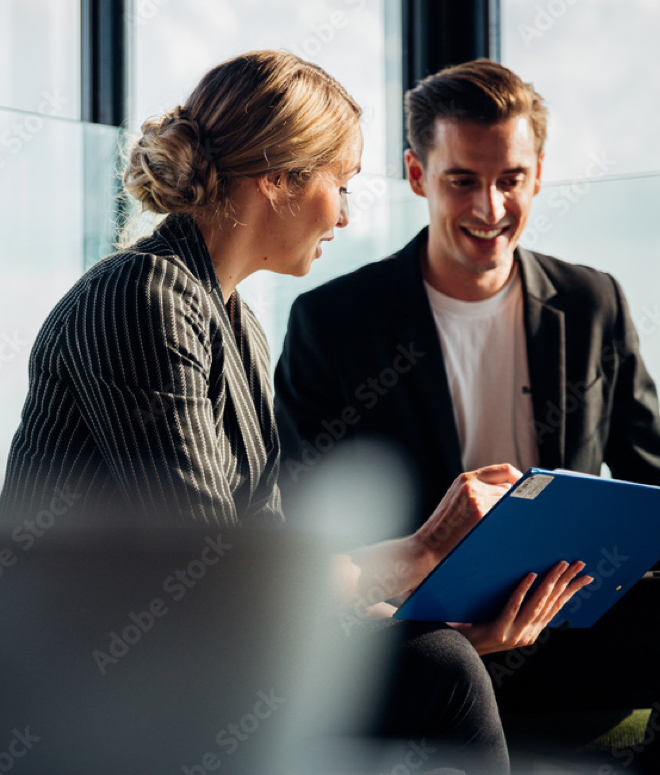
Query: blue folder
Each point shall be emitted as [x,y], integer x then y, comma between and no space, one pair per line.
[547,516]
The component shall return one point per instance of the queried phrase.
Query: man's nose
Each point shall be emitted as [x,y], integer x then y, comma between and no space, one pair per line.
[489,204]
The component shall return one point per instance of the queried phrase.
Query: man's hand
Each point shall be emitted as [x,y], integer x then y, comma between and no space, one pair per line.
[521,622]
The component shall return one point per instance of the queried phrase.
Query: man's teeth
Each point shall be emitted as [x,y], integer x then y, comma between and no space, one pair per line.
[481,234]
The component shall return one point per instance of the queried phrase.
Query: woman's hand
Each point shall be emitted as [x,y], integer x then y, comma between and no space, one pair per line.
[470,496]
[522,621]
[382,571]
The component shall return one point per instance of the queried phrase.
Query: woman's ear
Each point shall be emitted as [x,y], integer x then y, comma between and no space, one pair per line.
[272,187]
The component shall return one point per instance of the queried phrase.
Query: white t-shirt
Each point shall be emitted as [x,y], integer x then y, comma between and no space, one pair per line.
[485,352]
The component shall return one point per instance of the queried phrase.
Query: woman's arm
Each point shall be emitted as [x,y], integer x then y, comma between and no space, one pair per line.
[384,570]
[139,357]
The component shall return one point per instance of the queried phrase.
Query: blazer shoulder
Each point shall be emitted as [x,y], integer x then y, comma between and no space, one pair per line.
[357,281]
[572,282]
[128,287]
[364,293]
[140,265]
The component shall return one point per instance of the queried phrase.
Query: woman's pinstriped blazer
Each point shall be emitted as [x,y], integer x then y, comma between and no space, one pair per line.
[145,403]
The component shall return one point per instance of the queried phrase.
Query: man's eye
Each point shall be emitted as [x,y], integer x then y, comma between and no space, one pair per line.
[461,182]
[512,182]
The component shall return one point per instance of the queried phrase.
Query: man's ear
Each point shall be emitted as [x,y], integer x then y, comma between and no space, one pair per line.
[537,179]
[415,173]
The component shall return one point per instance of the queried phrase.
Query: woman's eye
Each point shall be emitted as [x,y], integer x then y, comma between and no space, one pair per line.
[344,191]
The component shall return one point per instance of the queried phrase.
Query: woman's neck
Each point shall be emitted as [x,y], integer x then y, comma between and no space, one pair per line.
[231,241]
[228,255]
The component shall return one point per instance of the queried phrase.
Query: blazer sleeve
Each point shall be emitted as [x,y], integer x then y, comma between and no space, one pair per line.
[139,358]
[633,446]
[311,411]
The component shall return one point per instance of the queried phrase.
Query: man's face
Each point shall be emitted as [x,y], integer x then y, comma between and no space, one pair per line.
[479,181]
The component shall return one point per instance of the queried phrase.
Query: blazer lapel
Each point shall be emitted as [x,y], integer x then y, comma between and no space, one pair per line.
[187,242]
[240,390]
[416,325]
[546,356]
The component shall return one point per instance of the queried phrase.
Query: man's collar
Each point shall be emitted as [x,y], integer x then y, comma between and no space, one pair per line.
[535,281]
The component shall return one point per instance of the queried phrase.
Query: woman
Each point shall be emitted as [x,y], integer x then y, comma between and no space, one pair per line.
[149,398]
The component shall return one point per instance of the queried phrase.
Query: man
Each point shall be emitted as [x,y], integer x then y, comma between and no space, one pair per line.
[463,349]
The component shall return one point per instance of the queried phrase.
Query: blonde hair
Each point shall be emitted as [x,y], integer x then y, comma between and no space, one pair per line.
[260,113]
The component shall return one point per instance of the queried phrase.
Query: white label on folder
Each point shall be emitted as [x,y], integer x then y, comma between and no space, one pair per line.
[531,487]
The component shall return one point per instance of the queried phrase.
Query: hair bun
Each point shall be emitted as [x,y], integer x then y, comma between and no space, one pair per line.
[170,169]
[259,113]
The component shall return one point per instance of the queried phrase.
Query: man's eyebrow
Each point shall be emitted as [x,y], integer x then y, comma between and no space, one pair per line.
[461,171]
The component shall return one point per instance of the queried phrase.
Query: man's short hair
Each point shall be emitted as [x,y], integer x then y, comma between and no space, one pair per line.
[481,91]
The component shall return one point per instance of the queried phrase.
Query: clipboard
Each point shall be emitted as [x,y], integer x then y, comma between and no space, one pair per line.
[547,516]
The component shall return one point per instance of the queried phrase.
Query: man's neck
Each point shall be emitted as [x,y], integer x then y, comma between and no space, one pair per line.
[462,283]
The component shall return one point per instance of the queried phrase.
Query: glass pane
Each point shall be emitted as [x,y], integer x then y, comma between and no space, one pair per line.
[597,64]
[384,216]
[609,225]
[357,41]
[51,208]
[39,63]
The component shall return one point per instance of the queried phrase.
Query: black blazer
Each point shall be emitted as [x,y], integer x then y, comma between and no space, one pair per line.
[146,402]
[362,357]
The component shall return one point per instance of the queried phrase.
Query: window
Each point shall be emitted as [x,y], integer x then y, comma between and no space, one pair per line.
[40,55]
[596,65]
[358,42]
[50,191]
